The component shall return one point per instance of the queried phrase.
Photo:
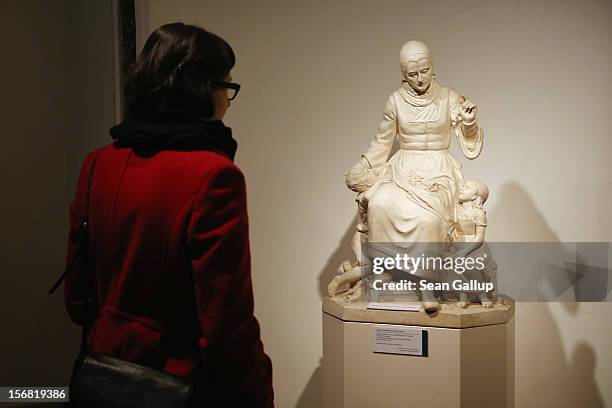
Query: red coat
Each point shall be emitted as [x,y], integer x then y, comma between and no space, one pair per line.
[169,269]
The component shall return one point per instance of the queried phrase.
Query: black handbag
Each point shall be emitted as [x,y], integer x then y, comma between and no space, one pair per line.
[105,382]
[100,381]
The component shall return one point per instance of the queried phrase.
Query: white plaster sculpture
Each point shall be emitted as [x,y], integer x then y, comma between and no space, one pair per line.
[411,197]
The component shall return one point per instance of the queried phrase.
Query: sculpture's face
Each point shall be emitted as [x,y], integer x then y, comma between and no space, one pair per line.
[418,74]
[468,192]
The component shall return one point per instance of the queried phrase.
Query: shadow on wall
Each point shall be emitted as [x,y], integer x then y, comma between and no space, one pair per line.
[582,371]
[311,396]
[543,376]
[515,217]
[343,252]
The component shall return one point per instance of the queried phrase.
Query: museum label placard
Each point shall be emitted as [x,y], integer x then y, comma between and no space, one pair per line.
[390,339]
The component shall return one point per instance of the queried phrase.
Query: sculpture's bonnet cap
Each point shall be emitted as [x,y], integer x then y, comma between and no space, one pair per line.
[413,51]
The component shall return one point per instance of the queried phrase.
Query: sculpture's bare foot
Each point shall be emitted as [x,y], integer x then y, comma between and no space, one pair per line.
[333,286]
[431,306]
[463,302]
[354,293]
[429,301]
[486,303]
[504,300]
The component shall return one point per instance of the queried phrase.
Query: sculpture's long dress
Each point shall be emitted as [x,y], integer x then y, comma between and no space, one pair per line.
[414,200]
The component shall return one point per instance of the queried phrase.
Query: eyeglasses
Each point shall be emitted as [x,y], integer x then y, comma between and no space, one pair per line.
[232,88]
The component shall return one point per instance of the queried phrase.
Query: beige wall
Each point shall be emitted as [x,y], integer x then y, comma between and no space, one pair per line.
[56,103]
[315,78]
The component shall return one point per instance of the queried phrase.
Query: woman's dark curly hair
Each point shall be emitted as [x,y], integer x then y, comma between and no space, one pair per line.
[170,80]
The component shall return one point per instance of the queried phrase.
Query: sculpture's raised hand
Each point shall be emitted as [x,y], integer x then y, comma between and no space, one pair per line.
[468,110]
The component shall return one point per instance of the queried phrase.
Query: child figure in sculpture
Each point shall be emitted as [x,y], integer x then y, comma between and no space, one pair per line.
[468,238]
[361,179]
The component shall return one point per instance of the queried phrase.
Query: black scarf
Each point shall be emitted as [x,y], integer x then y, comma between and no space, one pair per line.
[198,135]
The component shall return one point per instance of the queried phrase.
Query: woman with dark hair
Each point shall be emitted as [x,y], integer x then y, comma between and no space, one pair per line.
[166,281]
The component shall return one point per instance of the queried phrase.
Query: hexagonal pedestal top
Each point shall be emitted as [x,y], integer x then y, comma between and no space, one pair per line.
[449,315]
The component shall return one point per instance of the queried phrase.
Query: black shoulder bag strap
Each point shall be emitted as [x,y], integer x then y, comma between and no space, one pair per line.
[84,230]
[82,246]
